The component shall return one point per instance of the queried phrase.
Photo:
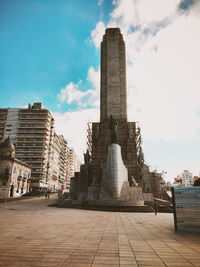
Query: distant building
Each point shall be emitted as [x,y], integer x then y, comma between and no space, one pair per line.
[53,166]
[33,133]
[146,181]
[184,179]
[73,164]
[14,174]
[153,182]
[63,163]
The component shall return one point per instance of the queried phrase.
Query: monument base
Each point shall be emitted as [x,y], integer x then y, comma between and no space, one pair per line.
[114,189]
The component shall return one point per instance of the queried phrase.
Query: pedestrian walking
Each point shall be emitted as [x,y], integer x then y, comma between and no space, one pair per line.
[48,194]
[155,207]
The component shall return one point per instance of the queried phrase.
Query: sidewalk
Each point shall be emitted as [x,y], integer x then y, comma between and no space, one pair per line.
[33,234]
[9,199]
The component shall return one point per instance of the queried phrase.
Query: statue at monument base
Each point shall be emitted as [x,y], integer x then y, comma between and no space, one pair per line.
[114,189]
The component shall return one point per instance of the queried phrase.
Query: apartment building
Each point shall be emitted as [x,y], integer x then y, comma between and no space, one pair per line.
[8,123]
[35,126]
[73,165]
[63,167]
[186,178]
[37,144]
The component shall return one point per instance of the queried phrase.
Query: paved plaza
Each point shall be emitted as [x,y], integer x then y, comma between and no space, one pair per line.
[33,234]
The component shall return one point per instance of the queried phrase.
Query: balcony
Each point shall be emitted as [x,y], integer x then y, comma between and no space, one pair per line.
[34,122]
[32,126]
[29,156]
[33,119]
[33,137]
[30,131]
[30,146]
[39,141]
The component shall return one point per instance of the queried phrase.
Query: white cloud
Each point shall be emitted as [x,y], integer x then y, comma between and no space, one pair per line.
[72,93]
[94,78]
[131,13]
[163,69]
[163,81]
[97,33]
[163,62]
[166,79]
[73,126]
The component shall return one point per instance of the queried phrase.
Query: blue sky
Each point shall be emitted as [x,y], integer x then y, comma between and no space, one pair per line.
[49,53]
[44,45]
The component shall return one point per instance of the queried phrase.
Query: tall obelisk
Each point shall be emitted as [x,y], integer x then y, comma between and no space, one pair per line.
[113,102]
[114,143]
[113,75]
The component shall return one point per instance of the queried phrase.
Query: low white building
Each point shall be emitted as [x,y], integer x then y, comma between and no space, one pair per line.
[15,175]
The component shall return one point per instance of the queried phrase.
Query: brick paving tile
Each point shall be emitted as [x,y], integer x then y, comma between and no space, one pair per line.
[153,265]
[106,261]
[105,265]
[76,265]
[181,265]
[128,262]
[34,235]
[81,261]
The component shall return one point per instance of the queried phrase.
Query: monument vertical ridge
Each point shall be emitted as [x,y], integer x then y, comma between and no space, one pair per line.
[113,75]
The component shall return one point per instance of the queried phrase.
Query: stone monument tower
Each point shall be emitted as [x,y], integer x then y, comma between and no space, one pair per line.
[113,105]
[115,148]
[113,76]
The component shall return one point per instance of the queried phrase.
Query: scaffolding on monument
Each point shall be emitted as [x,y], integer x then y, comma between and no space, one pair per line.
[89,137]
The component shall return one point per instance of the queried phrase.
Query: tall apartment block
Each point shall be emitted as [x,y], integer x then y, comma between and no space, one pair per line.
[32,131]
[73,164]
[63,166]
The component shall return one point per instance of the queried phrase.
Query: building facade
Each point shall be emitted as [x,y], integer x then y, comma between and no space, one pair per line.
[73,165]
[33,132]
[63,166]
[15,175]
[153,182]
[186,178]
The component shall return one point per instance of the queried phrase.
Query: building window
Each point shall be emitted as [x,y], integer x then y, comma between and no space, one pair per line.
[6,170]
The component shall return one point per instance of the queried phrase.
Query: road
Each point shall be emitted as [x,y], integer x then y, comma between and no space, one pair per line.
[35,235]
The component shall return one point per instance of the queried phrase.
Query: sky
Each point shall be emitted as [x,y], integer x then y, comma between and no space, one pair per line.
[50,53]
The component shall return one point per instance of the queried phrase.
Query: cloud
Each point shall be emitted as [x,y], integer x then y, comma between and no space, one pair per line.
[186,4]
[73,94]
[168,76]
[162,51]
[73,126]
[94,78]
[162,48]
[97,33]
[163,61]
